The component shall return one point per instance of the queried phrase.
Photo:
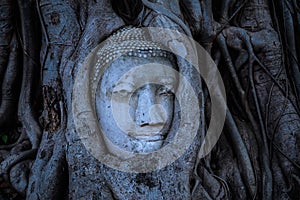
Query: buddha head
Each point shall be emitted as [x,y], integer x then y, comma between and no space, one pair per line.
[144,80]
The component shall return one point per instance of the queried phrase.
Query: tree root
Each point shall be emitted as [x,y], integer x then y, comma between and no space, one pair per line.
[157,8]
[20,139]
[261,138]
[9,88]
[246,170]
[192,12]
[268,108]
[30,72]
[9,162]
[19,176]
[268,179]
[50,167]
[8,66]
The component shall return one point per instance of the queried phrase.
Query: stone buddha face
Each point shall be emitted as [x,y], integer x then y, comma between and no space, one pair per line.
[150,105]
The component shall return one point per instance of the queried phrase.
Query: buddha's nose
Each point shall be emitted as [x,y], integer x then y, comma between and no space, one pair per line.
[143,116]
[144,102]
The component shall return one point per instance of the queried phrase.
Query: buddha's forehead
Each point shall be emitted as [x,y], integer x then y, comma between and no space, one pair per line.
[132,61]
[159,67]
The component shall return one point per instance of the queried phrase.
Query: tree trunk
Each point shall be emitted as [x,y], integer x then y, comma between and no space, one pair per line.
[43,44]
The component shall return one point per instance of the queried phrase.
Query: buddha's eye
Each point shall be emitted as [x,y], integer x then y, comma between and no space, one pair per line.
[165,91]
[122,92]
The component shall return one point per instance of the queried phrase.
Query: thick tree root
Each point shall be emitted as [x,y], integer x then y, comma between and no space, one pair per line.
[172,16]
[9,88]
[243,156]
[30,72]
[8,65]
[51,174]
[9,162]
[259,129]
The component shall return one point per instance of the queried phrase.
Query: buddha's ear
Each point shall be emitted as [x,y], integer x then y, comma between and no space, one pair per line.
[128,10]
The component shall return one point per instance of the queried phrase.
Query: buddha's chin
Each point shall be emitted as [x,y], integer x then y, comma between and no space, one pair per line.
[147,145]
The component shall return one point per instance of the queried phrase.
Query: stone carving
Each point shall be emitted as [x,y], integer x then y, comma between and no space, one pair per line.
[152,123]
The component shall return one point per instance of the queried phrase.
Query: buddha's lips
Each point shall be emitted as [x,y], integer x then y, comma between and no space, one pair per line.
[147,136]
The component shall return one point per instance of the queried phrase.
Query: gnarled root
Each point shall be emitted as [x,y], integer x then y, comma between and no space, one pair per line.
[31,73]
[9,86]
